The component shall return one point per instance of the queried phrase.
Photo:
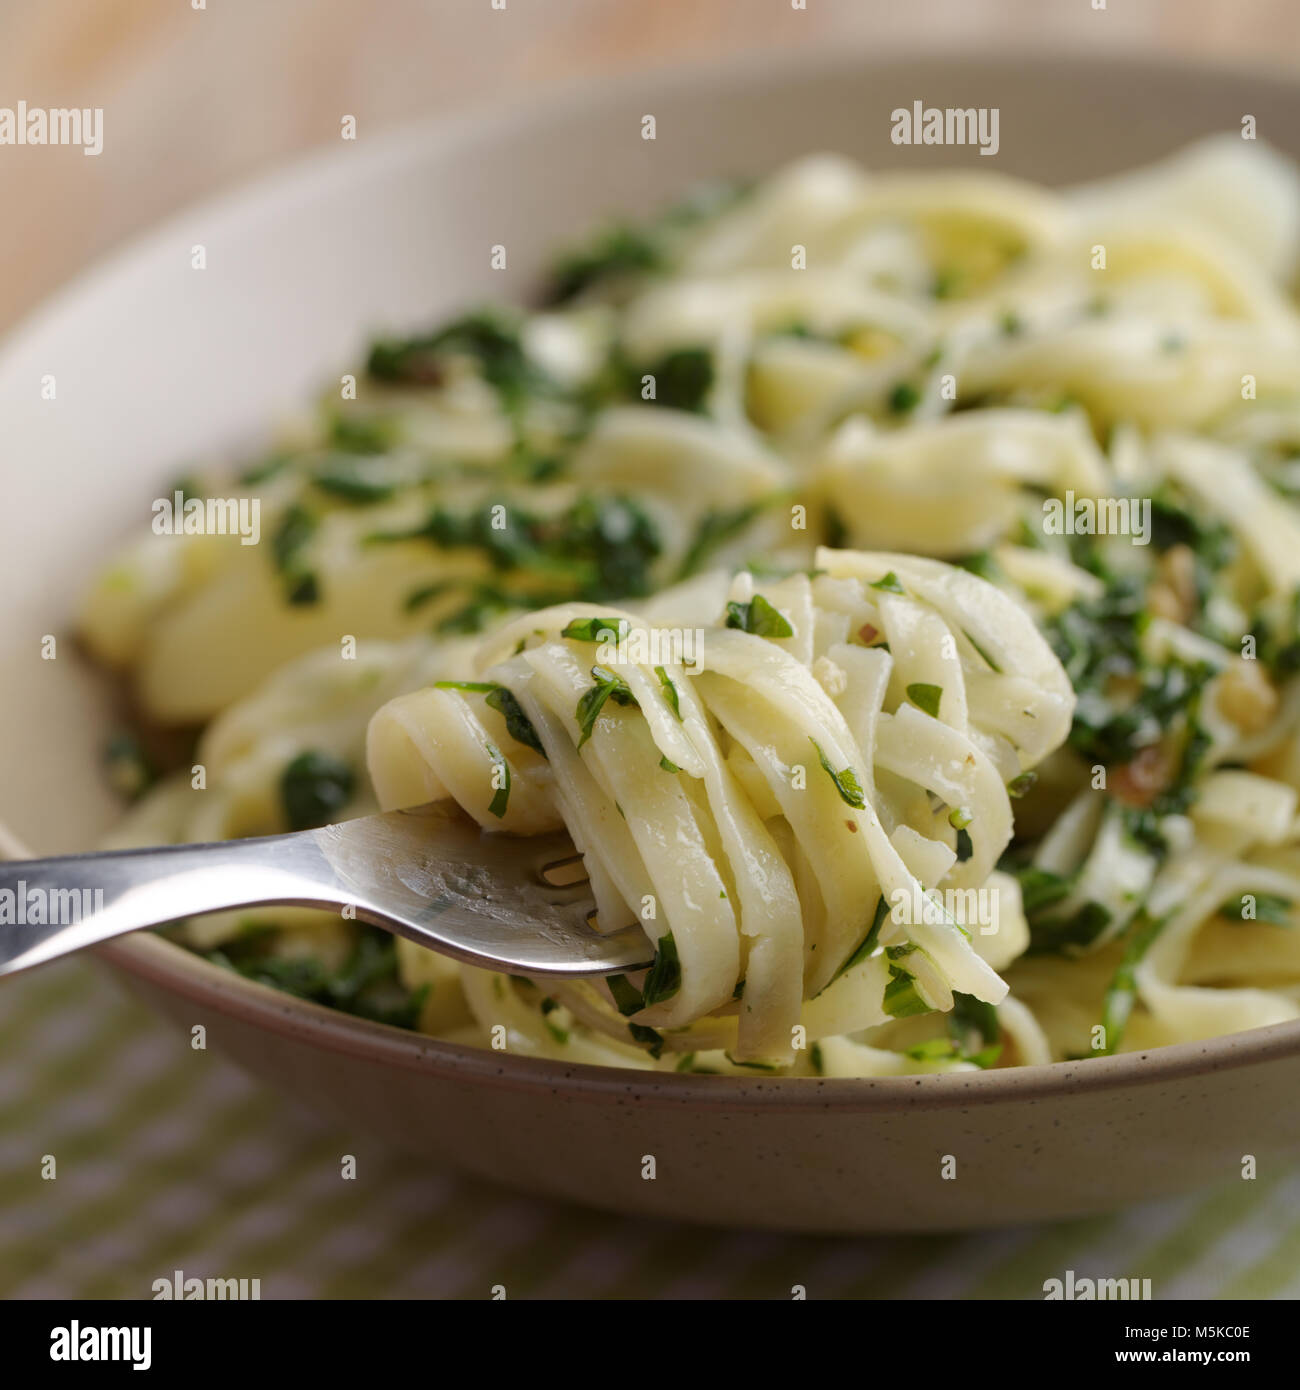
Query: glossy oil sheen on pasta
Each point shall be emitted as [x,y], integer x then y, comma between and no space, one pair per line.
[891,583]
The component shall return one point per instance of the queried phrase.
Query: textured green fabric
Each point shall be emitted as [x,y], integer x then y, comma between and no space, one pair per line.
[171,1159]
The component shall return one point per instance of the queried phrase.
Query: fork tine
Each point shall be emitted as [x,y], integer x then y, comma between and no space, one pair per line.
[435,877]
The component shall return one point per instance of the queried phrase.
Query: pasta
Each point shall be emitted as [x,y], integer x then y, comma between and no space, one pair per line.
[686,772]
[891,583]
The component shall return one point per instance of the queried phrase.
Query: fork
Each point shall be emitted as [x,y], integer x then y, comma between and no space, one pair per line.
[520,905]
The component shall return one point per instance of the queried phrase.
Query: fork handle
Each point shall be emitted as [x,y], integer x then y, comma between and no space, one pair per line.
[94,897]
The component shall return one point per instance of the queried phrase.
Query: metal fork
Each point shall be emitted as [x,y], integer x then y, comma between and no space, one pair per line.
[428,874]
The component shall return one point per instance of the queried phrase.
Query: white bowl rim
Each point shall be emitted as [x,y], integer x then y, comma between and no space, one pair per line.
[162,963]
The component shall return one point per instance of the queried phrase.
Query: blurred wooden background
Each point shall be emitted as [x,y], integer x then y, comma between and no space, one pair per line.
[199,99]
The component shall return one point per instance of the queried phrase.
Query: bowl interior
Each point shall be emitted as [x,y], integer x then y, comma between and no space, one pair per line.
[155,365]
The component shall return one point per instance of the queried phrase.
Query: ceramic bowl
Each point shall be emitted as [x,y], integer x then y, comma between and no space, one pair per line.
[154,363]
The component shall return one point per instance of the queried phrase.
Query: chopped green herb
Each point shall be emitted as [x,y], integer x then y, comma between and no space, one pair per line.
[984,566]
[262,472]
[926,697]
[868,943]
[1041,888]
[621,251]
[664,977]
[846,781]
[683,379]
[1277,638]
[295,530]
[752,1066]
[352,479]
[835,529]
[932,1050]
[668,766]
[904,398]
[367,985]
[1264,907]
[670,692]
[946,283]
[362,434]
[608,687]
[596,629]
[488,337]
[426,593]
[518,725]
[627,998]
[973,1026]
[303,589]
[314,787]
[715,529]
[474,615]
[984,656]
[889,584]
[1069,935]
[1121,994]
[1050,933]
[759,617]
[599,548]
[627,251]
[1125,702]
[901,999]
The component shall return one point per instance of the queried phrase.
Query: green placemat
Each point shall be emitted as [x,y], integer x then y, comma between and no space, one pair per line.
[170,1159]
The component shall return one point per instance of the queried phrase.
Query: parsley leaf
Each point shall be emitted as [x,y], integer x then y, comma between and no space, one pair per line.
[901,999]
[670,692]
[868,942]
[518,725]
[926,697]
[664,977]
[683,379]
[295,530]
[715,529]
[367,985]
[1266,907]
[595,629]
[314,787]
[846,781]
[759,617]
[1121,994]
[608,687]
